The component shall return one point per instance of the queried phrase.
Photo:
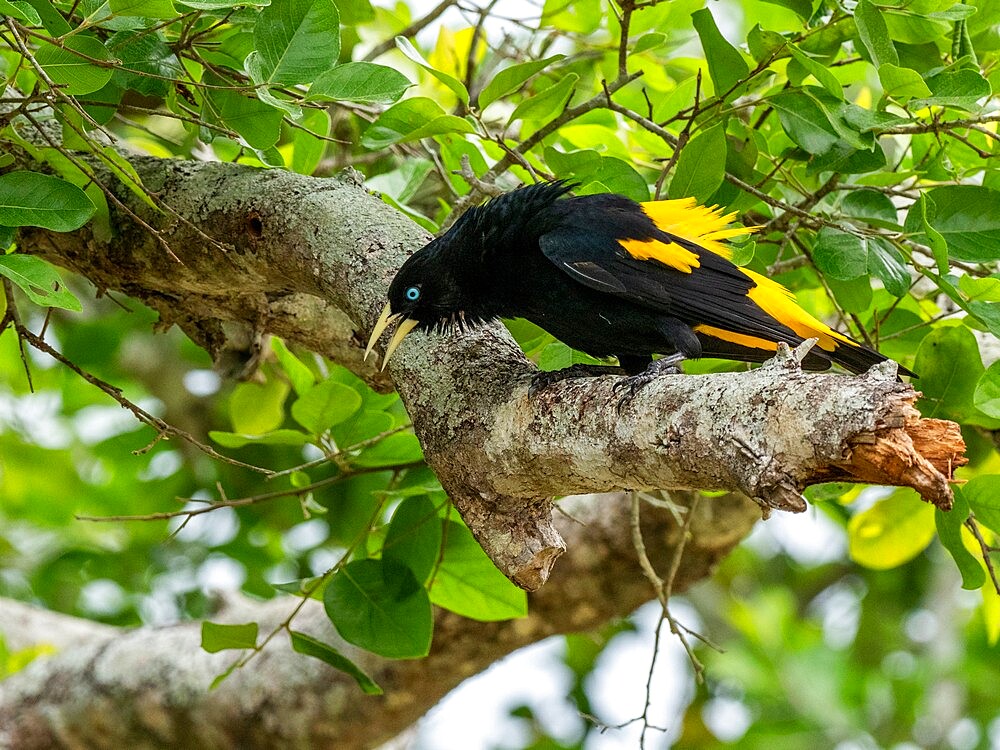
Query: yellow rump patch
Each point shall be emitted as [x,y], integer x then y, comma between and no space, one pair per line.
[780,304]
[703,225]
[751,342]
[668,253]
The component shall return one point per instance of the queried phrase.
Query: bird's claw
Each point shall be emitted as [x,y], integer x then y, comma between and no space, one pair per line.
[635,383]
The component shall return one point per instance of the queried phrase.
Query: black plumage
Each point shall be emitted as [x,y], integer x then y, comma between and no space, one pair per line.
[607,276]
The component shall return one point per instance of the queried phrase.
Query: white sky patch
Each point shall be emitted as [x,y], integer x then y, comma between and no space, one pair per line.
[617,687]
[221,573]
[810,538]
[474,716]
[210,529]
[36,417]
[727,718]
[304,536]
[201,382]
[102,598]
[839,609]
[96,423]
[162,465]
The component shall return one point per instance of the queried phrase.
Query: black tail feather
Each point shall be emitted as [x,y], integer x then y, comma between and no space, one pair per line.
[856,358]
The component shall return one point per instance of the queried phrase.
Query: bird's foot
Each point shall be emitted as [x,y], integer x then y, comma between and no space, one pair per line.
[541,380]
[635,383]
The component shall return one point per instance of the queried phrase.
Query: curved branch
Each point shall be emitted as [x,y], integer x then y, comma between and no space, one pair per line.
[299,256]
[149,687]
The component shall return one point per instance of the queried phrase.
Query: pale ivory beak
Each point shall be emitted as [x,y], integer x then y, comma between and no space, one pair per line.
[386,319]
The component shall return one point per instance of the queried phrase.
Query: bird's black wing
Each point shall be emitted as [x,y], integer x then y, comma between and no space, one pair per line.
[666,256]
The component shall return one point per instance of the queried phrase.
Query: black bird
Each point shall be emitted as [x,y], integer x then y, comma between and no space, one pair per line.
[608,276]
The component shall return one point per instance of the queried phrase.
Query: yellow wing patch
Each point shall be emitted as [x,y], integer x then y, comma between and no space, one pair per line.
[752,342]
[668,253]
[780,304]
[703,225]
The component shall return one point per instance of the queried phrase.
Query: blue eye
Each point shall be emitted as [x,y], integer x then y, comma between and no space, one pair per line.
[413,294]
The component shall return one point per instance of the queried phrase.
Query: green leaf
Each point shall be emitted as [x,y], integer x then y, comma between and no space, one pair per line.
[580,16]
[411,120]
[956,88]
[407,48]
[309,646]
[30,199]
[764,44]
[217,636]
[558,356]
[840,255]
[983,495]
[950,367]
[893,531]
[854,295]
[726,65]
[414,536]
[395,450]
[949,529]
[308,145]
[648,41]
[924,209]
[987,395]
[38,280]
[818,71]
[353,12]
[402,183]
[144,58]
[701,166]
[21,11]
[886,263]
[902,83]
[324,405]
[300,376]
[510,79]
[259,124]
[805,122]
[802,8]
[985,289]
[875,34]
[144,8]
[967,217]
[359,82]
[51,18]
[256,408]
[380,606]
[469,584]
[70,65]
[274,437]
[548,103]
[596,173]
[296,40]
[845,256]
[364,425]
[872,206]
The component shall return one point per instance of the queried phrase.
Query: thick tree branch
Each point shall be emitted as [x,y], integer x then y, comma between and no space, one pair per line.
[300,257]
[149,687]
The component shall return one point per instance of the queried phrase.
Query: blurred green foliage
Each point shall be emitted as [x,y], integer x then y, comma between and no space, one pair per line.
[861,138]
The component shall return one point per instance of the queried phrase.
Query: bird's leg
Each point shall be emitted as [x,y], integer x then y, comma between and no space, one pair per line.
[634,383]
[542,380]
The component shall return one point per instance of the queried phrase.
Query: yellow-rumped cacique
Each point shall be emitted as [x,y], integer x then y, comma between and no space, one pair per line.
[608,276]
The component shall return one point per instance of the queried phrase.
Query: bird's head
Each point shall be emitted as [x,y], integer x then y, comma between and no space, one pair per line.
[422,296]
[447,283]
